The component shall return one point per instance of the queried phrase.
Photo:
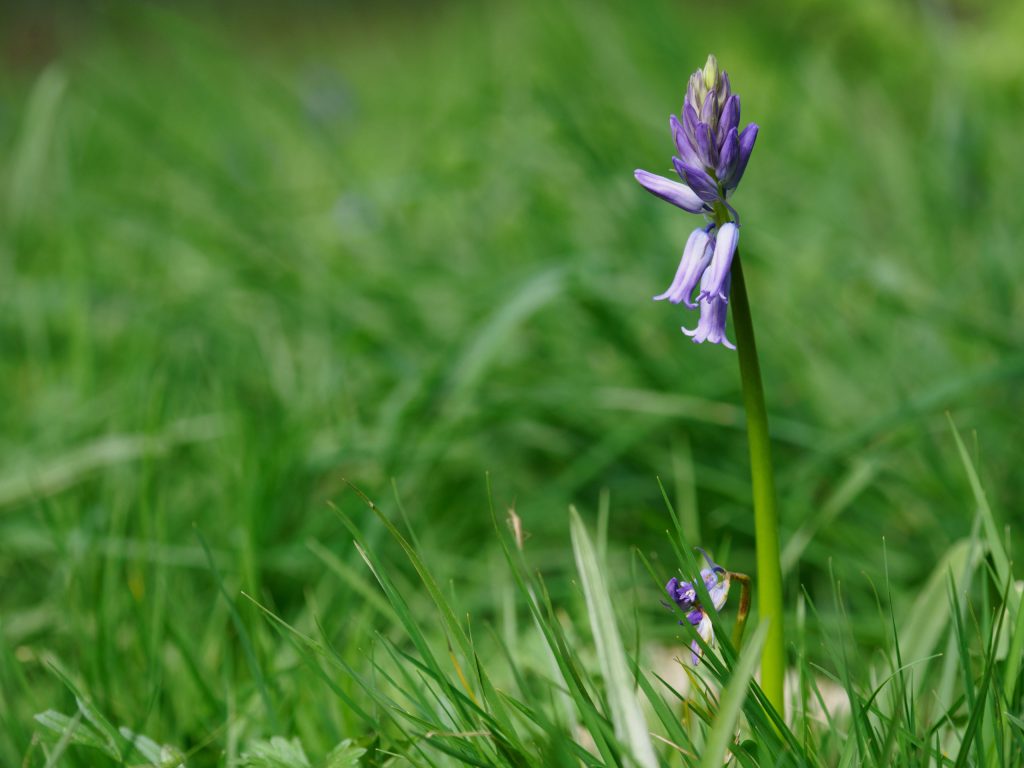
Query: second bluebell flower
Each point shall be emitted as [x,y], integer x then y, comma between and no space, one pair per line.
[717,581]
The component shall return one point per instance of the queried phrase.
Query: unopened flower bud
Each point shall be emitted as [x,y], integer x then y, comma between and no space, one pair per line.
[711,73]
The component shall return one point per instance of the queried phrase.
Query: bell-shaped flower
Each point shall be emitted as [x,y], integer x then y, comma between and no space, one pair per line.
[715,282]
[696,257]
[711,325]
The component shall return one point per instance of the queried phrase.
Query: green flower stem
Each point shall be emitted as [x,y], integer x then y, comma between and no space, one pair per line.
[766,518]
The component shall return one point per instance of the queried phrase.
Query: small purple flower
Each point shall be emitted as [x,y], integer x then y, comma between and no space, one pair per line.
[712,156]
[684,595]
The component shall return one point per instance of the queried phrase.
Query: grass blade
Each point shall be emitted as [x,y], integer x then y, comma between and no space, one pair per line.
[732,702]
[627,717]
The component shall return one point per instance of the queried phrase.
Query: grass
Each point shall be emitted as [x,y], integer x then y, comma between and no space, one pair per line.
[246,260]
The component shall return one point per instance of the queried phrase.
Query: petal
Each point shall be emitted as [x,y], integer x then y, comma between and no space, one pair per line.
[695,652]
[698,334]
[709,577]
[709,109]
[682,593]
[746,145]
[690,121]
[711,326]
[695,259]
[678,194]
[698,180]
[707,634]
[728,155]
[712,565]
[720,592]
[714,282]
[683,146]
[716,321]
[706,149]
[691,94]
[730,118]
[704,324]
[706,630]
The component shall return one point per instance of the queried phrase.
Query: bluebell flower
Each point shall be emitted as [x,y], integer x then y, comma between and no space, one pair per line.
[712,156]
[684,595]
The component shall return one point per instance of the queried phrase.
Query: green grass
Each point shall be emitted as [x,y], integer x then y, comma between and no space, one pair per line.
[245,258]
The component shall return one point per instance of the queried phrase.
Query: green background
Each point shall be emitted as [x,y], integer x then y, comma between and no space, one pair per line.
[249,255]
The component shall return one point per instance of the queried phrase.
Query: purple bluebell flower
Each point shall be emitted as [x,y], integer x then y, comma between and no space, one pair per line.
[696,256]
[711,325]
[712,154]
[684,595]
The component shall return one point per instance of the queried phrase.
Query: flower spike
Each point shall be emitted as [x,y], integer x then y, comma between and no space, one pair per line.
[712,155]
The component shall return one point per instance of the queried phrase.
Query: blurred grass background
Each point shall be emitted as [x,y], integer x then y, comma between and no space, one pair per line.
[247,254]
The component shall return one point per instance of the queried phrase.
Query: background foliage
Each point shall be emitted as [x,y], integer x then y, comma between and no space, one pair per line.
[245,256]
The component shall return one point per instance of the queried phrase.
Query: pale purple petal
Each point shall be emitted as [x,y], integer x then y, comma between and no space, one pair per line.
[706,630]
[708,109]
[715,281]
[678,134]
[720,591]
[695,652]
[700,333]
[686,150]
[707,634]
[709,577]
[713,311]
[690,121]
[695,259]
[672,191]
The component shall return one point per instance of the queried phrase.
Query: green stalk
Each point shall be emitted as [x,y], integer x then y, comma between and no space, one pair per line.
[766,518]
